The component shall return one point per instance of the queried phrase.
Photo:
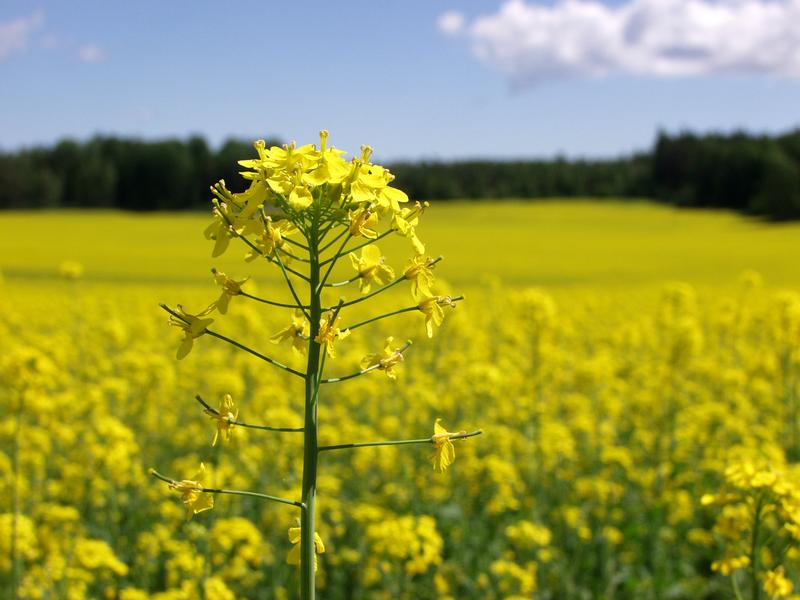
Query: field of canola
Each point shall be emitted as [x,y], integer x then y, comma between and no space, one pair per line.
[635,369]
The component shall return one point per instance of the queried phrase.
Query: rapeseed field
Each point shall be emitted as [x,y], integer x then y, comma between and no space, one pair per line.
[635,370]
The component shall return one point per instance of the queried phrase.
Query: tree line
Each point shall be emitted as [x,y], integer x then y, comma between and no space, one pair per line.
[758,175]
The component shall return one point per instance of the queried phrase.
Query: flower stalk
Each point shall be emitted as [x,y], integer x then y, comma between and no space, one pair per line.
[314,194]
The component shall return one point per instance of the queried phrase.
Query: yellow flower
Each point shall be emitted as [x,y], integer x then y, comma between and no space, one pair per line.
[270,236]
[371,268]
[363,222]
[193,326]
[444,452]
[329,333]
[371,185]
[224,418]
[230,288]
[419,273]
[330,168]
[431,307]
[192,494]
[405,221]
[296,333]
[295,535]
[776,584]
[387,360]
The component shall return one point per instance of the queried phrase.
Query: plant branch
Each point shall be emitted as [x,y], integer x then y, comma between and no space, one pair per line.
[173,482]
[364,371]
[215,412]
[272,302]
[455,436]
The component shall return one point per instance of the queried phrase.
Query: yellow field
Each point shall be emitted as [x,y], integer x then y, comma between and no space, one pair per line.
[635,369]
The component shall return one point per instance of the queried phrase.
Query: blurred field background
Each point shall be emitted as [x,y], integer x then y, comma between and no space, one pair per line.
[619,357]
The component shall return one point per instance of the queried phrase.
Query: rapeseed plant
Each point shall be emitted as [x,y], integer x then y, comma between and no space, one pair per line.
[305,209]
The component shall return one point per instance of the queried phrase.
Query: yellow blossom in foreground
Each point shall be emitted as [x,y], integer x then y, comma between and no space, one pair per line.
[776,584]
[431,307]
[419,273]
[230,288]
[363,223]
[329,333]
[193,326]
[192,494]
[371,268]
[295,535]
[387,360]
[296,333]
[444,452]
[224,417]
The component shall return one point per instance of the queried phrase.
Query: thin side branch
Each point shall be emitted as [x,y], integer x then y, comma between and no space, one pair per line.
[158,475]
[455,436]
[272,302]
[215,412]
[369,369]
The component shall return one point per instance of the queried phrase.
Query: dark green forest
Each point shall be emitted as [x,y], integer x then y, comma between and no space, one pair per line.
[758,175]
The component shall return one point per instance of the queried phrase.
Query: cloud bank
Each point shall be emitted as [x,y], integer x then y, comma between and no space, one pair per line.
[663,38]
[15,35]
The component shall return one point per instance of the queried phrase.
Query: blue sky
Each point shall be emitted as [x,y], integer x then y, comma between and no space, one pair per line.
[414,79]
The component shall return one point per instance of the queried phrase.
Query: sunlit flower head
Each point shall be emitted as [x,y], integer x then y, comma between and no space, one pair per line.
[371,268]
[296,333]
[230,287]
[193,326]
[224,417]
[388,360]
[444,453]
[432,308]
[192,494]
[329,333]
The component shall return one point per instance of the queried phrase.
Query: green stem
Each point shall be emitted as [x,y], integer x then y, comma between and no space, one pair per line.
[391,314]
[271,361]
[455,436]
[755,550]
[737,592]
[310,442]
[272,302]
[158,475]
[215,412]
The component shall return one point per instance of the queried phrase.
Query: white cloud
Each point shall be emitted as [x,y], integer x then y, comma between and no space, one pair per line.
[584,38]
[15,35]
[451,22]
[91,53]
